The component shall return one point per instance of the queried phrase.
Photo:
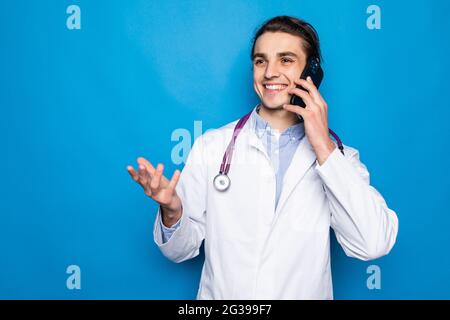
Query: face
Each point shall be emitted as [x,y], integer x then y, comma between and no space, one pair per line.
[278,59]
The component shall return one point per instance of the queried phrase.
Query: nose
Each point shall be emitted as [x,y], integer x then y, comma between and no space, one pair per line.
[271,70]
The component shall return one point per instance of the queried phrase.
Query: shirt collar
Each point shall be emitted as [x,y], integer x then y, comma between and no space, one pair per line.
[295,132]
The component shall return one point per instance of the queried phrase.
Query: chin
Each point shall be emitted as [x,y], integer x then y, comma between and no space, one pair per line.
[274,105]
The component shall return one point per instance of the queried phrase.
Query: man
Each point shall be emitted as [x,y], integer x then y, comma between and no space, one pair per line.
[268,235]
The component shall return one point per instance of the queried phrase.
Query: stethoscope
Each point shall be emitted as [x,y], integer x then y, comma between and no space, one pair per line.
[222,181]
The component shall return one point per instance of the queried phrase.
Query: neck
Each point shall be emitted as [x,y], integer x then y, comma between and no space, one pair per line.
[279,119]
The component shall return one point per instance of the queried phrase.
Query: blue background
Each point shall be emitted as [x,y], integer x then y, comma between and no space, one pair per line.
[77,106]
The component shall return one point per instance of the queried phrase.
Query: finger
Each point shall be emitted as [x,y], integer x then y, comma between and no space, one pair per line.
[173,182]
[312,89]
[133,173]
[151,170]
[302,94]
[296,109]
[147,165]
[143,176]
[308,85]
[156,179]
[322,100]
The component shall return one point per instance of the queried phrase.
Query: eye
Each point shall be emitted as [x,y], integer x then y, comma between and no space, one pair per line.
[286,60]
[258,61]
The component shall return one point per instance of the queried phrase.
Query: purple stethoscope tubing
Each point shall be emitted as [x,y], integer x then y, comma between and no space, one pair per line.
[226,161]
[338,141]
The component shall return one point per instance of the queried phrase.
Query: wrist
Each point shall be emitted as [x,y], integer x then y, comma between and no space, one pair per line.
[171,214]
[169,222]
[323,151]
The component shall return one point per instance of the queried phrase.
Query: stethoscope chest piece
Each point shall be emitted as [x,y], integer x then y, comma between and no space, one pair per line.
[221,182]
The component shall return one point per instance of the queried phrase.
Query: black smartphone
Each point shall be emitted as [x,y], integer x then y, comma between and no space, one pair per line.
[314,70]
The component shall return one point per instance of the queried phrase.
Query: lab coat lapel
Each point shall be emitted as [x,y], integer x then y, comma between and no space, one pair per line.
[256,142]
[302,160]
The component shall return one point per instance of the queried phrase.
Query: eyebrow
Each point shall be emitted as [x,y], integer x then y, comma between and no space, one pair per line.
[279,54]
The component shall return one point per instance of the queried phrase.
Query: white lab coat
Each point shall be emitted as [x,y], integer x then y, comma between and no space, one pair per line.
[253,251]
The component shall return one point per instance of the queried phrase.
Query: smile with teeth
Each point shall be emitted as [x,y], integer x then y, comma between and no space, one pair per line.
[275,88]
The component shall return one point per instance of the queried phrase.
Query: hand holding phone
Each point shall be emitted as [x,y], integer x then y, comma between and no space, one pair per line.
[313,70]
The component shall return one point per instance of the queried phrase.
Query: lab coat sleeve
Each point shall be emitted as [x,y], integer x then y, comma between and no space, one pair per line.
[364,225]
[186,240]
[167,232]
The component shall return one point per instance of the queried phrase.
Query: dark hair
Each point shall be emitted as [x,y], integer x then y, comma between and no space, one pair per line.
[296,27]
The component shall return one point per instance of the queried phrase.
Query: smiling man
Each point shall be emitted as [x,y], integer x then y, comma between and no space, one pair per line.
[266,223]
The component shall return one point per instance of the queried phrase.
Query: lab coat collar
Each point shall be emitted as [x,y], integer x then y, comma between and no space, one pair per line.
[262,127]
[304,157]
[251,130]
